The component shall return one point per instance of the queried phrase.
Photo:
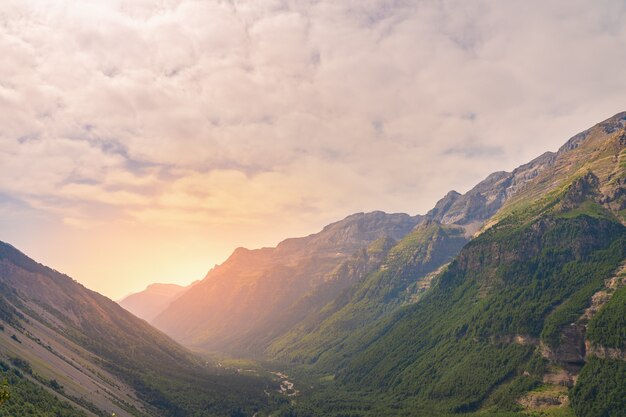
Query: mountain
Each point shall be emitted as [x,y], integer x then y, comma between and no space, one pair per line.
[147,304]
[241,305]
[290,299]
[298,300]
[529,316]
[69,349]
[401,276]
[487,197]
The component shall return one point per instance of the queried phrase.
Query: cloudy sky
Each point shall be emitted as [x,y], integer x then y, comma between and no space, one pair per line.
[143,141]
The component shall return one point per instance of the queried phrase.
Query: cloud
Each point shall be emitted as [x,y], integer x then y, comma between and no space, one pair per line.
[192,115]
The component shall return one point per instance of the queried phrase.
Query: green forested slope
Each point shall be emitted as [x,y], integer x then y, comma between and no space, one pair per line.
[455,352]
[29,399]
[505,317]
[451,348]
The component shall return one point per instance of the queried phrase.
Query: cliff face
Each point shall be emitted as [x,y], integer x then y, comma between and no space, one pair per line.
[574,347]
[571,350]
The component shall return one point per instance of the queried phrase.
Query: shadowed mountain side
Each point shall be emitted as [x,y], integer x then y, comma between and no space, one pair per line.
[105,358]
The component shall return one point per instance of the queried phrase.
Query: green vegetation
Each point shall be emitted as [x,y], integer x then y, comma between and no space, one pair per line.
[552,412]
[21,397]
[601,389]
[608,327]
[452,352]
[5,394]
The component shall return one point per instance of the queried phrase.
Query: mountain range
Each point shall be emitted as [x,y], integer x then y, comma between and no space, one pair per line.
[508,300]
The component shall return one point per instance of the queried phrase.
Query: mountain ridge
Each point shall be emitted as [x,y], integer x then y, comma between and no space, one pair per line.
[84,348]
[469,211]
[508,320]
[555,223]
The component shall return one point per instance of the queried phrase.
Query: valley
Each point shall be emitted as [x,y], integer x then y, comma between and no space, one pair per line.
[506,301]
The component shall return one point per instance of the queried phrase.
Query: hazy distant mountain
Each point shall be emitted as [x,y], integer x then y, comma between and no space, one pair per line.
[59,339]
[147,304]
[401,276]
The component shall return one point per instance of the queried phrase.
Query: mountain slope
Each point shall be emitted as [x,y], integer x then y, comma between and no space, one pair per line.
[534,300]
[101,357]
[248,297]
[401,278]
[147,304]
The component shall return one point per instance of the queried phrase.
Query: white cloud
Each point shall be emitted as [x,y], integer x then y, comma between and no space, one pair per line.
[200,113]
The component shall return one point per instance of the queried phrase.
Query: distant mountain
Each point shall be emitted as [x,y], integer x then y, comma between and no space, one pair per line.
[147,304]
[69,350]
[480,203]
[251,298]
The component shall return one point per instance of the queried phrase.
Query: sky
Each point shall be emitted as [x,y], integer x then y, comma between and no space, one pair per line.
[142,141]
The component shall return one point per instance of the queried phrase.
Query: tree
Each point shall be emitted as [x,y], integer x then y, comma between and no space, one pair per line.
[4,392]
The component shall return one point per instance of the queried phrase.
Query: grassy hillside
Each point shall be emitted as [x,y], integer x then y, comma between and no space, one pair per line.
[27,398]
